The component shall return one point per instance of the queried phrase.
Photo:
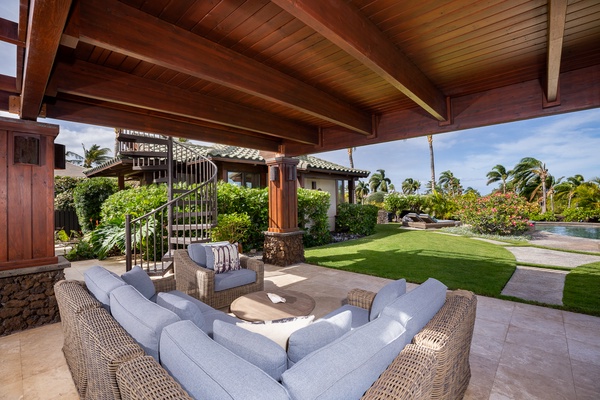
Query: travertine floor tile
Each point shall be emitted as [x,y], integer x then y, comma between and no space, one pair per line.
[548,341]
[584,352]
[527,360]
[586,377]
[487,347]
[55,383]
[586,334]
[491,329]
[526,385]
[12,390]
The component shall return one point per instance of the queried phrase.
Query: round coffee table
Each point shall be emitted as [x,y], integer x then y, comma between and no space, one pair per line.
[258,307]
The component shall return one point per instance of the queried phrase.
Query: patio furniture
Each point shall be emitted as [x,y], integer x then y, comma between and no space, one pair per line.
[381,365]
[202,283]
[258,307]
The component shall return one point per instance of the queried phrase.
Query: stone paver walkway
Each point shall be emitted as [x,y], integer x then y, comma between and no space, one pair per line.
[537,284]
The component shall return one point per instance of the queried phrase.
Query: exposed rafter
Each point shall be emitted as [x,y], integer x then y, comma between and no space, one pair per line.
[9,32]
[129,118]
[344,25]
[557,13]
[89,80]
[142,36]
[46,23]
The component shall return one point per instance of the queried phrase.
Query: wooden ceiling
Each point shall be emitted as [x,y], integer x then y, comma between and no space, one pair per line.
[302,76]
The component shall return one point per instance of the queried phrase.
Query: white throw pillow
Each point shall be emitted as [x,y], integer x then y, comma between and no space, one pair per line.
[278,330]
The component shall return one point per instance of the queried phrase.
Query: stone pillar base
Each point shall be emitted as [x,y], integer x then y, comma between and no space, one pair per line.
[27,296]
[283,249]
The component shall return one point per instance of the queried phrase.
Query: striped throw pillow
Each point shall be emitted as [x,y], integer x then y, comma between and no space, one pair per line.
[226,258]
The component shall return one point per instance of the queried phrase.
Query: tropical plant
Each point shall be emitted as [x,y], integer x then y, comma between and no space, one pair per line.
[312,216]
[450,184]
[378,181]
[432,184]
[89,195]
[411,186]
[568,187]
[498,214]
[361,191]
[499,174]
[529,175]
[91,157]
[232,227]
[356,219]
[551,183]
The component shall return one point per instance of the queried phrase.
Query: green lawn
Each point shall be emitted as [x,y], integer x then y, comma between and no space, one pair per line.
[392,252]
[582,289]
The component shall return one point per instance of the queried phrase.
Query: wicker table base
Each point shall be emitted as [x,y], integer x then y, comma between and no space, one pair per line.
[258,307]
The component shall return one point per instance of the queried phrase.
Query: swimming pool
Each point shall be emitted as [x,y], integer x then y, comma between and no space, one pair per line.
[582,231]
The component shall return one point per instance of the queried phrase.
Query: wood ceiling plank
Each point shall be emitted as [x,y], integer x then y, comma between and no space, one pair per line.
[149,121]
[557,13]
[346,27]
[46,23]
[88,80]
[120,28]
[9,32]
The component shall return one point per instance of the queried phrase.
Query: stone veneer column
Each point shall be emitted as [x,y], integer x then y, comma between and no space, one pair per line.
[283,241]
[27,296]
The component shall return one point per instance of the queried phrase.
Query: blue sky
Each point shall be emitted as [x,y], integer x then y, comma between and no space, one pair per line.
[569,144]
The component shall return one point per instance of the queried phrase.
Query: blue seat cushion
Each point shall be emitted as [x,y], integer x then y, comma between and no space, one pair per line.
[140,317]
[185,309]
[139,279]
[100,282]
[252,347]
[385,296]
[415,308]
[203,307]
[360,316]
[231,279]
[211,316]
[347,367]
[316,335]
[207,370]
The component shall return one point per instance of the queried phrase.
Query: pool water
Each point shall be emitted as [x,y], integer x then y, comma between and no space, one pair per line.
[588,232]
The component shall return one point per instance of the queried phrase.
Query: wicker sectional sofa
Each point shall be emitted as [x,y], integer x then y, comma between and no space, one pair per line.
[107,362]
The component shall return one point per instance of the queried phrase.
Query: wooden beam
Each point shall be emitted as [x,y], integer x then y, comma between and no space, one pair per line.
[8,84]
[343,24]
[46,23]
[580,90]
[557,14]
[97,113]
[9,32]
[89,80]
[115,26]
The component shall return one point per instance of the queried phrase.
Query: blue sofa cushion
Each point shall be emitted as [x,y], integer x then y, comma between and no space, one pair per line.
[316,335]
[252,347]
[185,309]
[141,318]
[211,316]
[385,296]
[199,254]
[360,316]
[203,307]
[207,370]
[140,280]
[415,308]
[231,279]
[347,367]
[100,282]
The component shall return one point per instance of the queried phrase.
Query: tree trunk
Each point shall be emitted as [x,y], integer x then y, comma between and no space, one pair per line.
[430,140]
[350,151]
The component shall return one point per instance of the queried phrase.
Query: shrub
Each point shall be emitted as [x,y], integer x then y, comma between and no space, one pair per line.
[89,195]
[356,218]
[63,192]
[233,228]
[547,216]
[501,214]
[375,197]
[312,216]
[136,201]
[253,202]
[581,215]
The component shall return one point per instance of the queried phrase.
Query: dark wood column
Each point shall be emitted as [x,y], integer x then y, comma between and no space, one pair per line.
[351,188]
[283,240]
[26,193]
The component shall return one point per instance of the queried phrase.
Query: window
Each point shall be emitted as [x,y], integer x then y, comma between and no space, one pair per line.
[340,192]
[247,179]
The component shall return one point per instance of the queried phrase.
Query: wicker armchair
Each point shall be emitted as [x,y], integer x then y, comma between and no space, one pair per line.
[199,282]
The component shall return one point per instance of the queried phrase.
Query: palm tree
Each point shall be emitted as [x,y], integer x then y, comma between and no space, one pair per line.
[432,163]
[411,186]
[568,188]
[552,183]
[528,175]
[91,157]
[378,181]
[361,191]
[498,173]
[350,158]
[450,183]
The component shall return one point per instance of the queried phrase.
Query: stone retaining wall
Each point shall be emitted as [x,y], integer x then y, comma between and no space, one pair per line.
[27,297]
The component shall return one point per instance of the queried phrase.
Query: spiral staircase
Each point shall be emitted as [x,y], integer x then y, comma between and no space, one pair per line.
[191,210]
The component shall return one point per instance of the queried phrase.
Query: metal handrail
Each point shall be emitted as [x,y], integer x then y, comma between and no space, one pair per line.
[187,218]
